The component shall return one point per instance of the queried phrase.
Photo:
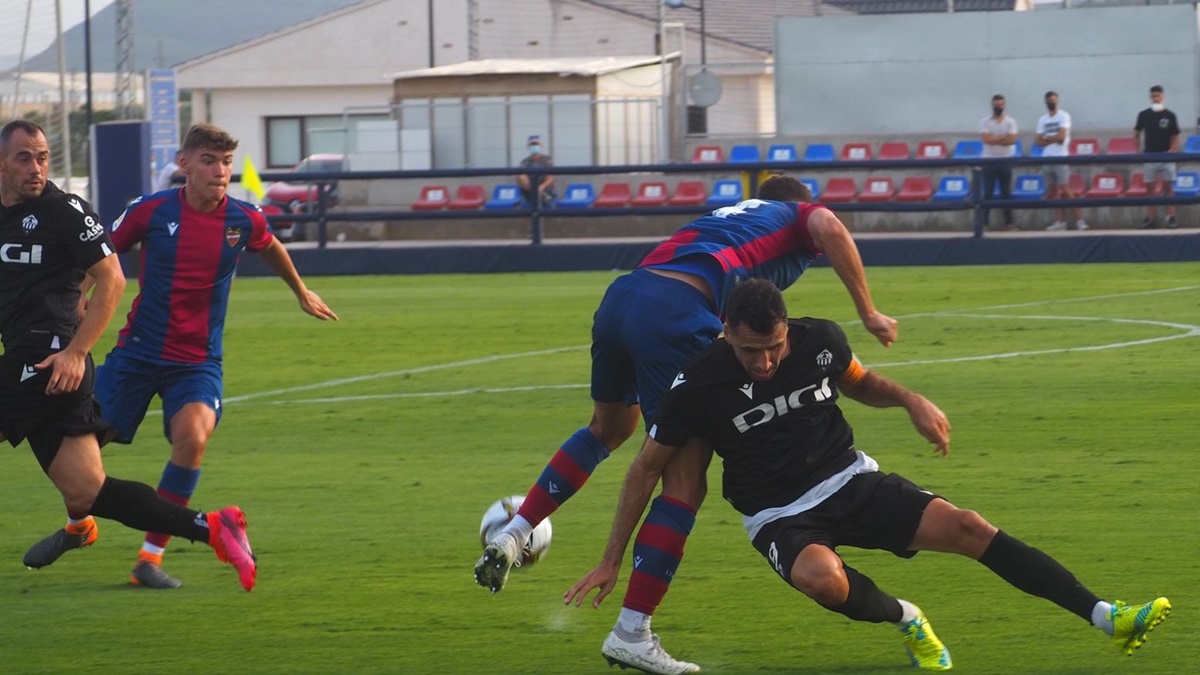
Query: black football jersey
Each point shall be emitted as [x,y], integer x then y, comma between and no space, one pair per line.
[777,438]
[46,244]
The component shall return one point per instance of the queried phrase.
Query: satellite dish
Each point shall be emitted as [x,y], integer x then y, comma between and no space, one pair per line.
[704,89]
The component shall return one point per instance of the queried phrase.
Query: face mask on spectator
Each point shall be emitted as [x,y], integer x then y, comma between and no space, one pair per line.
[535,149]
[997,110]
[1157,107]
[1051,106]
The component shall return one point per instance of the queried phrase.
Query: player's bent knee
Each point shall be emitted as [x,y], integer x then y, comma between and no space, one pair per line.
[820,577]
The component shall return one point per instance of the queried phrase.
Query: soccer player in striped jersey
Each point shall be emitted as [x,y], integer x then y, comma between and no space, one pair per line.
[171,345]
[648,324]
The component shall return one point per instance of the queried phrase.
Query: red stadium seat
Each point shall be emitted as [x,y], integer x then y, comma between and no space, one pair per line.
[651,194]
[932,150]
[859,151]
[877,189]
[839,190]
[915,189]
[467,197]
[894,150]
[1085,146]
[1121,145]
[1107,185]
[708,154]
[433,198]
[1137,185]
[689,193]
[1077,184]
[613,194]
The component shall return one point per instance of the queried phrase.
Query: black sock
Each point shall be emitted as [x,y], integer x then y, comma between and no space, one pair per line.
[1038,574]
[137,505]
[866,602]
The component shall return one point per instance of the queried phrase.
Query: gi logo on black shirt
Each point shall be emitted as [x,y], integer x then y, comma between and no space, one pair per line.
[30,223]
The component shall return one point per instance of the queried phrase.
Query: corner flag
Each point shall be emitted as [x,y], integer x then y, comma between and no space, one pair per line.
[250,180]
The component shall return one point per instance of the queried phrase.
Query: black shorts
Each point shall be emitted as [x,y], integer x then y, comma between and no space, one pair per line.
[874,510]
[27,412]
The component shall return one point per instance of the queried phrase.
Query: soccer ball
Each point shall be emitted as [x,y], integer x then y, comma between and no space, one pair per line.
[498,515]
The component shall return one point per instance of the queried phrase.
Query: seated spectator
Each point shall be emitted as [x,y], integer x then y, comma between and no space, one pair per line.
[545,181]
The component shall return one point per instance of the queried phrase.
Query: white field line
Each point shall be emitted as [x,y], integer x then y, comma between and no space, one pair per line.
[1188,331]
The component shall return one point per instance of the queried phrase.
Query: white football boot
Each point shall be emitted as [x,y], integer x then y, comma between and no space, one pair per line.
[647,656]
[491,570]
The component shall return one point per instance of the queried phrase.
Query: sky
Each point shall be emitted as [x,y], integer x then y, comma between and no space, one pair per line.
[41,24]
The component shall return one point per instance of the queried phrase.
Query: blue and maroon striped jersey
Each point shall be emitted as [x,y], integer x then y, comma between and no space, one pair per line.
[188,261]
[752,239]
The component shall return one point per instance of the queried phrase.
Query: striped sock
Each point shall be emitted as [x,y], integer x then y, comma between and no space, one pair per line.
[566,473]
[177,485]
[657,551]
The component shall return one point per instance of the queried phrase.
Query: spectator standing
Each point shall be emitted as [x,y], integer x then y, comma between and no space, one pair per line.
[166,175]
[536,160]
[1157,130]
[1054,136]
[999,133]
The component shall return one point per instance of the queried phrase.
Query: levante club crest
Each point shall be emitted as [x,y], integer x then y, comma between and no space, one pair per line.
[232,236]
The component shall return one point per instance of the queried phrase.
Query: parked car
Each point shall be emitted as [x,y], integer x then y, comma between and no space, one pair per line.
[297,196]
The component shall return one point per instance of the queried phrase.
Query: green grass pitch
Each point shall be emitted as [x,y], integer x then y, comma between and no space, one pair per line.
[365,452]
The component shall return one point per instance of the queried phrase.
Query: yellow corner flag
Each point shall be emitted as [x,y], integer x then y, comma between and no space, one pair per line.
[250,180]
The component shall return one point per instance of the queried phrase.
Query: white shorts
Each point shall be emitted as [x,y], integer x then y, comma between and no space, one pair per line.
[1156,170]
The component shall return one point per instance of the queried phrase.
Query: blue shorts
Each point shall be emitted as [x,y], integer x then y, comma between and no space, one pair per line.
[646,328]
[125,385]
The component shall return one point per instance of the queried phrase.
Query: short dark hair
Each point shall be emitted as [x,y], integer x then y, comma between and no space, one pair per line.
[1050,93]
[998,97]
[1156,89]
[6,134]
[784,189]
[208,136]
[755,303]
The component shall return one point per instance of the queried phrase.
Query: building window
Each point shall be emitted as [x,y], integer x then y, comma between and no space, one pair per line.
[285,141]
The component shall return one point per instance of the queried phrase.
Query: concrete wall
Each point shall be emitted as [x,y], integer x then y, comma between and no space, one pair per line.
[936,73]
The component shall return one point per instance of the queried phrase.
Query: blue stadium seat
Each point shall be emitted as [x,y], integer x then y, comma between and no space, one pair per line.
[813,187]
[1018,149]
[1192,144]
[577,195]
[1029,186]
[1036,150]
[744,154]
[504,196]
[725,193]
[968,149]
[783,152]
[952,189]
[819,152]
[1187,184]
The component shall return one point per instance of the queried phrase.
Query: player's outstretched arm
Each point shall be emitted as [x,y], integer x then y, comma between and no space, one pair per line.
[277,258]
[640,481]
[69,365]
[878,391]
[832,237]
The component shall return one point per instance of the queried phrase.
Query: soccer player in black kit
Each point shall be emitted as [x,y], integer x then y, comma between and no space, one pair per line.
[765,398]
[48,240]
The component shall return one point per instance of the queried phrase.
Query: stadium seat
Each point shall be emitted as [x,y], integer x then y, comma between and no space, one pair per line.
[613,194]
[1018,149]
[467,198]
[819,152]
[968,149]
[1192,144]
[504,196]
[839,190]
[931,150]
[744,153]
[785,152]
[1036,150]
[1187,184]
[725,193]
[877,189]
[1029,186]
[1107,185]
[433,197]
[1077,184]
[707,154]
[915,189]
[856,151]
[952,189]
[653,193]
[1121,145]
[814,188]
[577,196]
[894,150]
[688,193]
[1085,146]
[1138,186]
